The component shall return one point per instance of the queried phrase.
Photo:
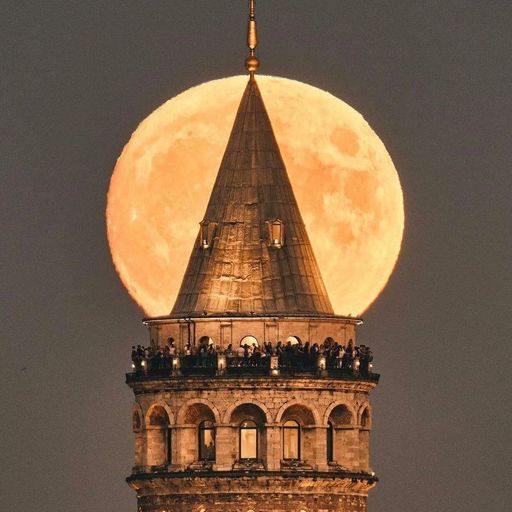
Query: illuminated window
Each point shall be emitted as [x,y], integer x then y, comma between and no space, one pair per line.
[206,440]
[330,442]
[248,440]
[293,340]
[275,233]
[291,440]
[249,340]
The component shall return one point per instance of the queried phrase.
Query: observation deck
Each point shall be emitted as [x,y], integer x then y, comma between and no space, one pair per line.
[226,366]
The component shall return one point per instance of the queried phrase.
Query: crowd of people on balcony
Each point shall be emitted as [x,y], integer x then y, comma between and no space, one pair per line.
[294,354]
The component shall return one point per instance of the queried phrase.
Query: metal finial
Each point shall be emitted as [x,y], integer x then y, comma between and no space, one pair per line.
[252,62]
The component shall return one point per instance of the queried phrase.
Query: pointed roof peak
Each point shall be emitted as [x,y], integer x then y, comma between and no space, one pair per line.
[252,254]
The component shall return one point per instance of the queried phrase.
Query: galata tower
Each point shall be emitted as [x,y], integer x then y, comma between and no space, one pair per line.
[252,395]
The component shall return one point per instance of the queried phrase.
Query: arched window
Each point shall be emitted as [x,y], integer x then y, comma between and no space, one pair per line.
[291,440]
[249,340]
[205,341]
[293,340]
[365,419]
[159,440]
[136,422]
[248,440]
[206,440]
[330,442]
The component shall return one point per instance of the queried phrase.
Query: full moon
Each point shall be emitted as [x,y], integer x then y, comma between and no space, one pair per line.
[344,180]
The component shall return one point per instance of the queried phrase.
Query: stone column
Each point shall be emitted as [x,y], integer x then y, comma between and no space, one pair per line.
[364,449]
[185,445]
[321,448]
[156,446]
[273,447]
[225,445]
[139,448]
[346,447]
[175,448]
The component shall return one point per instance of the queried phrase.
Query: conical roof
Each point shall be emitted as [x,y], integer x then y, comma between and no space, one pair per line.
[237,265]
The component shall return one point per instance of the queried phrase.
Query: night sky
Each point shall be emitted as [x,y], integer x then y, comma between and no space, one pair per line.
[433,78]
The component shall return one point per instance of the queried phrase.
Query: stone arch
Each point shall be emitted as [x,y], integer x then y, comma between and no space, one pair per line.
[150,409]
[364,436]
[249,435]
[158,435]
[205,340]
[196,410]
[137,418]
[139,434]
[365,417]
[342,437]
[339,414]
[158,417]
[249,401]
[295,409]
[306,438]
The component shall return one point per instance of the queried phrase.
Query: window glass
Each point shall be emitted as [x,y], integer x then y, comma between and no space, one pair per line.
[330,443]
[248,440]
[169,446]
[291,441]
[206,441]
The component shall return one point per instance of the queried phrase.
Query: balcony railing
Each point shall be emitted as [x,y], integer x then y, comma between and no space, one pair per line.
[211,365]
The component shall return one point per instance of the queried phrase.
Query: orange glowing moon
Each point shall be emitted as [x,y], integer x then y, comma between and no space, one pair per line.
[346,185]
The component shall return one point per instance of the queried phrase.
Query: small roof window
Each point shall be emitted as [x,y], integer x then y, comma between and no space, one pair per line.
[275,229]
[207,233]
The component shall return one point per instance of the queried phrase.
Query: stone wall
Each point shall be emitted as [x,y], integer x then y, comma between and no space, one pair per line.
[225,331]
[263,493]
[270,502]
[312,403]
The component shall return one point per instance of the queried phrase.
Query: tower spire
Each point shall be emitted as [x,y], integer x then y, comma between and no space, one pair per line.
[252,63]
[252,254]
